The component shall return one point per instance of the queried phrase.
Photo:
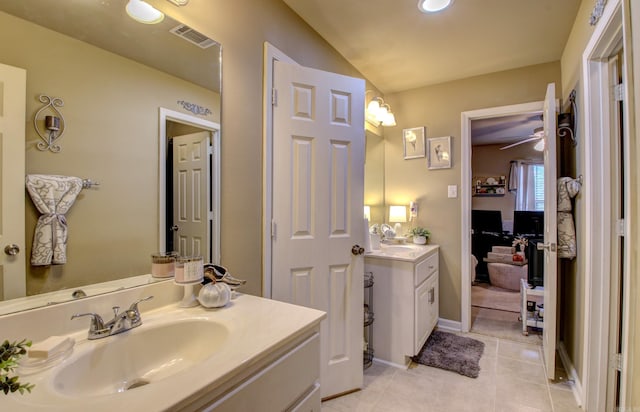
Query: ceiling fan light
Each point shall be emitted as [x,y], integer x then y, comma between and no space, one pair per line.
[143,12]
[432,6]
[539,146]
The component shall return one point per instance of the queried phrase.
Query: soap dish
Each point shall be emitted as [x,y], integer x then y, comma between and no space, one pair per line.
[29,366]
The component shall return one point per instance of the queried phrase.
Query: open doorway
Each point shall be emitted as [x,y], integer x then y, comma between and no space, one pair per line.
[507,205]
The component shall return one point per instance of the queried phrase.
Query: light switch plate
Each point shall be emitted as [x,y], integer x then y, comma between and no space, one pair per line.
[452,191]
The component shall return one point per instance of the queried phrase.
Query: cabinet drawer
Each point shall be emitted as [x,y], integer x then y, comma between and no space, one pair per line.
[278,386]
[425,268]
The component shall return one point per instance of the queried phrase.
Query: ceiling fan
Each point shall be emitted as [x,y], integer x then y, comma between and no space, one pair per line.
[538,134]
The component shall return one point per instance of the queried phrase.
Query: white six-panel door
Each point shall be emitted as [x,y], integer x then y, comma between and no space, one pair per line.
[550,232]
[12,168]
[191,210]
[318,185]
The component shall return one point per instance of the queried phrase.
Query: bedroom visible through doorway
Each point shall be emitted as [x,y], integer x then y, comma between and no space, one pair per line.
[506,204]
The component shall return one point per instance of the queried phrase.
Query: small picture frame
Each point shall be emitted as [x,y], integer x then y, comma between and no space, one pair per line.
[413,141]
[439,152]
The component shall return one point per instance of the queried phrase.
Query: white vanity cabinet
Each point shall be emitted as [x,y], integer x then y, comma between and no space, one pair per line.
[290,381]
[406,296]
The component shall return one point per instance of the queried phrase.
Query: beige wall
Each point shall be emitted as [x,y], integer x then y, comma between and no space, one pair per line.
[242,27]
[489,160]
[438,108]
[111,112]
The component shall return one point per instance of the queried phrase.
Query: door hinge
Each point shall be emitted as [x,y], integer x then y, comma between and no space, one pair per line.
[274,97]
[273,229]
[210,150]
[616,362]
[620,228]
[618,92]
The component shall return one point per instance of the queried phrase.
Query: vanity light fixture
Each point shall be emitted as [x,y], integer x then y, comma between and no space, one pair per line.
[397,215]
[379,113]
[433,6]
[143,12]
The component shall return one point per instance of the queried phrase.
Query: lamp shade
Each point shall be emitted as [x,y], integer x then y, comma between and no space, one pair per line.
[389,119]
[367,212]
[397,214]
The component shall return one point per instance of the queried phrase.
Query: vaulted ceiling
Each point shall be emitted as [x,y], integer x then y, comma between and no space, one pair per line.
[399,48]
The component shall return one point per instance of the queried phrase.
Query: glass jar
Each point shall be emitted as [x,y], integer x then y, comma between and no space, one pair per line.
[189,269]
[163,264]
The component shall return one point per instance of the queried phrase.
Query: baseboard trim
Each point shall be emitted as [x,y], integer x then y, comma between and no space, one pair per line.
[395,365]
[576,387]
[450,325]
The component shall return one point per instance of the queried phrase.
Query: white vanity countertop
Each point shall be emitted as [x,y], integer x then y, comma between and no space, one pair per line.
[257,327]
[408,252]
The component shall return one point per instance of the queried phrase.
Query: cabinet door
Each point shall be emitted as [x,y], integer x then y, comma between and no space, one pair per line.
[422,315]
[434,301]
[426,310]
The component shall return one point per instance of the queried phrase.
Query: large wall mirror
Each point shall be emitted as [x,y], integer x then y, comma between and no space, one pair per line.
[374,177]
[127,88]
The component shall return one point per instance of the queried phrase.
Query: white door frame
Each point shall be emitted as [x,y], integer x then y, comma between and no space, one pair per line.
[178,117]
[605,40]
[465,197]
[271,54]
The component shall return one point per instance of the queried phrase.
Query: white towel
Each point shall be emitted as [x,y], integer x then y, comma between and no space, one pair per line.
[53,196]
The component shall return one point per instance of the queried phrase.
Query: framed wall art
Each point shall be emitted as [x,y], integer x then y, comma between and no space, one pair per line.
[413,141]
[439,152]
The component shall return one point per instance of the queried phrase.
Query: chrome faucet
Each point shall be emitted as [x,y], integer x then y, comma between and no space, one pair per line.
[121,322]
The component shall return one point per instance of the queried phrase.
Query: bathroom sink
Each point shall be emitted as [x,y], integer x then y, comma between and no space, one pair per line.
[406,252]
[139,357]
[398,250]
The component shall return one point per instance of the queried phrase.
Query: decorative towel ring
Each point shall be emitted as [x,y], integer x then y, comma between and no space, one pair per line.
[54,123]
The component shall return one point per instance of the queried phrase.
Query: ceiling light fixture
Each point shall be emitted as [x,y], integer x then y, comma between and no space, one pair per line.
[143,12]
[432,6]
[379,113]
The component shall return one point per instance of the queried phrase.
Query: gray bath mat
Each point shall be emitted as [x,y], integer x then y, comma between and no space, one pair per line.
[451,352]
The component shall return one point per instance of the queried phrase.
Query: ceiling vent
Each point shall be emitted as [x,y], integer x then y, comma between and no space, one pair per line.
[193,36]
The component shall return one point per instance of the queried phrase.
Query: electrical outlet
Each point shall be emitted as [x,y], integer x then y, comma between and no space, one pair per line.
[452,191]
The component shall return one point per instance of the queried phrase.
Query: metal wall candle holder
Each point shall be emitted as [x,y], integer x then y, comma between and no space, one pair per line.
[54,123]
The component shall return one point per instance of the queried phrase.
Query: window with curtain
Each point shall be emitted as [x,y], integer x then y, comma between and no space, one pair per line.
[526,180]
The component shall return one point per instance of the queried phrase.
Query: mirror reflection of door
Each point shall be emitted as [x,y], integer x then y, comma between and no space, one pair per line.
[189,206]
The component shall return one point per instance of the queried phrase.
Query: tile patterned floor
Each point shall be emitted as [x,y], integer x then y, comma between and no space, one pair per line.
[512,379]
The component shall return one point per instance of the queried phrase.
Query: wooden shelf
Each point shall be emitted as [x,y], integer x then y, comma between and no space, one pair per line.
[486,187]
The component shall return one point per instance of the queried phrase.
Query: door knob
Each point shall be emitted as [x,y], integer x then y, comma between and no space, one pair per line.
[174,228]
[12,249]
[546,246]
[357,250]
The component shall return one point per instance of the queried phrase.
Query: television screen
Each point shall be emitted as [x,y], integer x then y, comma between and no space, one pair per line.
[528,224]
[486,221]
